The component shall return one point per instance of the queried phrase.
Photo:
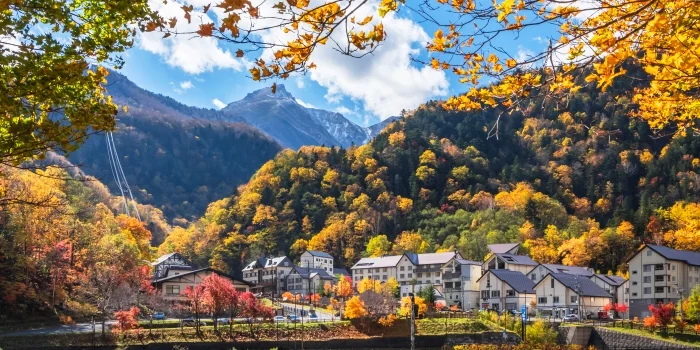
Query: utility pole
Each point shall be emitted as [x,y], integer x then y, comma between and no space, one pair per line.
[413,325]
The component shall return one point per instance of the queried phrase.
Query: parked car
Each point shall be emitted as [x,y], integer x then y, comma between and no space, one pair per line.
[313,317]
[279,319]
[293,318]
[602,315]
[223,320]
[570,318]
[190,322]
[158,316]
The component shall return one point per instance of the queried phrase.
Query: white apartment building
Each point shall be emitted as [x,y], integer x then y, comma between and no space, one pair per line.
[411,271]
[459,283]
[317,260]
[659,274]
[505,290]
[541,270]
[267,275]
[560,294]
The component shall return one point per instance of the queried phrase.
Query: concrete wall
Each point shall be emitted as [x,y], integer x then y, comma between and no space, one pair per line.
[603,338]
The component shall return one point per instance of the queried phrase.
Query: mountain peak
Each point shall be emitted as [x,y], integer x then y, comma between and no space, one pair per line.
[266,94]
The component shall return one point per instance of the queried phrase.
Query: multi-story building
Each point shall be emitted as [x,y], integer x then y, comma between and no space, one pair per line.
[317,260]
[505,290]
[411,271]
[560,294]
[541,270]
[307,281]
[611,284]
[459,283]
[173,285]
[659,274]
[170,265]
[267,275]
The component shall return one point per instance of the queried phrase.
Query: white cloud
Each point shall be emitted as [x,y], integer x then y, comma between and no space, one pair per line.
[300,83]
[186,85]
[192,55]
[384,82]
[218,103]
[343,110]
[304,104]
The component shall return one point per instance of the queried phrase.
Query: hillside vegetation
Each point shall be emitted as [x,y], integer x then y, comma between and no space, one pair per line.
[572,179]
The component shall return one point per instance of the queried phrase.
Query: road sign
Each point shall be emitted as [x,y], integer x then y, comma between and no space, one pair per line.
[523,312]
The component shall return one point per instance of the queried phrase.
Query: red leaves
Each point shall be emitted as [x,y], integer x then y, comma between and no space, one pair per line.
[662,313]
[206,29]
[126,320]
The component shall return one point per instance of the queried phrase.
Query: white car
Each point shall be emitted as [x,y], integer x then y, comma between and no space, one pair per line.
[570,318]
[280,319]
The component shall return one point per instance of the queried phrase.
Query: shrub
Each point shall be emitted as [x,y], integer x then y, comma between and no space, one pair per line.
[541,333]
[680,325]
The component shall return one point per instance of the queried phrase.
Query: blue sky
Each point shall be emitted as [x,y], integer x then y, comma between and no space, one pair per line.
[205,72]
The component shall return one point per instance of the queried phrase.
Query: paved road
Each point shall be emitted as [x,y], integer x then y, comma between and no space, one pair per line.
[63,329]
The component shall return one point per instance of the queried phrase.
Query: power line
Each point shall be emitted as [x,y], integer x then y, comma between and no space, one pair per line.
[119,177]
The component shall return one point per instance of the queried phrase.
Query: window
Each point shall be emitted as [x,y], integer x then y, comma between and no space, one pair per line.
[648,252]
[659,278]
[533,277]
[673,267]
[634,283]
[542,300]
[384,269]
[658,267]
[485,294]
[402,268]
[634,272]
[172,290]
[647,268]
[401,276]
[410,275]
[592,300]
[384,277]
[458,284]
[437,281]
[647,279]
[555,300]
[510,293]
[448,284]
[420,274]
[495,294]
[659,289]
[574,299]
[647,290]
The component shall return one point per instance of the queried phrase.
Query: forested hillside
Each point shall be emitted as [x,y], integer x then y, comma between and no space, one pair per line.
[572,179]
[64,246]
[173,159]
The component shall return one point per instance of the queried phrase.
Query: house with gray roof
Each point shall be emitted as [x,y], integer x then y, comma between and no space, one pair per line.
[507,261]
[560,294]
[659,274]
[170,265]
[317,260]
[307,281]
[504,248]
[460,284]
[541,270]
[615,285]
[267,275]
[505,290]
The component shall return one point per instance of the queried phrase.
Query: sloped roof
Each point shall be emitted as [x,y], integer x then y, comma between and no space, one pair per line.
[580,284]
[168,256]
[571,270]
[340,270]
[611,279]
[691,258]
[265,262]
[196,271]
[320,254]
[431,258]
[306,272]
[517,259]
[382,261]
[467,262]
[515,279]
[504,248]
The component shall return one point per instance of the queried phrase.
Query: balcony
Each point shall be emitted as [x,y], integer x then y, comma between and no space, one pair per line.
[427,268]
[451,275]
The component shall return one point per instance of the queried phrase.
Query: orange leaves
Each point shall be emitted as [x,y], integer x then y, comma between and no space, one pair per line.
[255,73]
[206,29]
[239,53]
[172,22]
[230,23]
[274,88]
[187,10]
[233,5]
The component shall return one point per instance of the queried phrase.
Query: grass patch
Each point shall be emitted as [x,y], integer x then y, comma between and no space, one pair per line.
[439,326]
[682,339]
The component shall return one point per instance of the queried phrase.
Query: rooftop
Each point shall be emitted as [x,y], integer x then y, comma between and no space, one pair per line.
[691,258]
[611,279]
[319,254]
[515,279]
[571,270]
[580,284]
[517,259]
[416,259]
[504,248]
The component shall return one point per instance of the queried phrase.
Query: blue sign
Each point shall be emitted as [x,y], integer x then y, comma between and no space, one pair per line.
[523,312]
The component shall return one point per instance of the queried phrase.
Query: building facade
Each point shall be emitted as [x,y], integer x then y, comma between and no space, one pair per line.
[613,285]
[659,274]
[169,265]
[460,284]
[317,260]
[306,281]
[506,261]
[561,294]
[267,275]
[173,285]
[505,290]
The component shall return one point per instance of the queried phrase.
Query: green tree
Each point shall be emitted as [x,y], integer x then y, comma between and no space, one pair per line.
[692,308]
[47,99]
[378,245]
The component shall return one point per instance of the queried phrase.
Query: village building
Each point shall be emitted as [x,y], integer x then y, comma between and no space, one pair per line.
[317,260]
[541,270]
[268,275]
[459,283]
[306,281]
[659,274]
[561,294]
[505,290]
